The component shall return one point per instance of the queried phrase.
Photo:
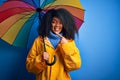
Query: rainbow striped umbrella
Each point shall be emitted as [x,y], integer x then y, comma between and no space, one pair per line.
[19,19]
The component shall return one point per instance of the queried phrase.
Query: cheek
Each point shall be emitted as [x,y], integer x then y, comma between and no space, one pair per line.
[53,25]
[61,27]
[52,29]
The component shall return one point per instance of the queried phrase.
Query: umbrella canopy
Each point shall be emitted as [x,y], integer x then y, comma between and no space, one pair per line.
[20,18]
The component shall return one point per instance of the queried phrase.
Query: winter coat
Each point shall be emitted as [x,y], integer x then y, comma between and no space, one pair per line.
[68,59]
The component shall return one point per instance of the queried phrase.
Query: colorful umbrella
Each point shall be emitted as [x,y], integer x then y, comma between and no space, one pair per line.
[19,19]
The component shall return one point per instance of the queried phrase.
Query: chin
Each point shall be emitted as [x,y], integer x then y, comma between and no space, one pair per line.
[55,32]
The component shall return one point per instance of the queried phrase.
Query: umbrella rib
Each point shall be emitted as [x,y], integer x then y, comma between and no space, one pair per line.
[26,15]
[30,29]
[55,6]
[21,29]
[49,5]
[34,2]
[21,8]
[45,3]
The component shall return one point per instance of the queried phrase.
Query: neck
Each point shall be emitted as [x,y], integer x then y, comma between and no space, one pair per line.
[54,39]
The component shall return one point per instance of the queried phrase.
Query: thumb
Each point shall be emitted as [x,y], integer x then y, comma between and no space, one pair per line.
[60,35]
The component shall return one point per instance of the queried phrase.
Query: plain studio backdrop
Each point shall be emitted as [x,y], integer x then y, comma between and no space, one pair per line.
[99,44]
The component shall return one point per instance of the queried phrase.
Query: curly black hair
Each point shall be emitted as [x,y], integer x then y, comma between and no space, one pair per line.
[69,26]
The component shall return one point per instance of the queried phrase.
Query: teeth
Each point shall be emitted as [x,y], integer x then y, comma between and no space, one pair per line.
[56,29]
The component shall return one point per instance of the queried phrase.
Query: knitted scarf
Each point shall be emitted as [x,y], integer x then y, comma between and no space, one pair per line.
[54,39]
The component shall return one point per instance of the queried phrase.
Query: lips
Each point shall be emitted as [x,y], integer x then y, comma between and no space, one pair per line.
[56,29]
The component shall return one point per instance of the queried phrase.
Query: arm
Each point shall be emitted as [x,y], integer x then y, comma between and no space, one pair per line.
[71,56]
[34,61]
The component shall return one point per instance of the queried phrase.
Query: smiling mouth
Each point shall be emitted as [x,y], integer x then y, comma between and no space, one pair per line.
[56,29]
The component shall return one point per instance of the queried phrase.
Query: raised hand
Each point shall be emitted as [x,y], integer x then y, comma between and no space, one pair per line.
[63,39]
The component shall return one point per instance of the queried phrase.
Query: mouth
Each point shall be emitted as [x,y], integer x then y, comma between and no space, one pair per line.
[56,29]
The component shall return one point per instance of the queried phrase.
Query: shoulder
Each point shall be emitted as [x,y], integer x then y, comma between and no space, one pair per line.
[38,40]
[71,42]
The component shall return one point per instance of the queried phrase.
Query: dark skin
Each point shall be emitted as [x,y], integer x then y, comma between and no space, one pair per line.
[56,28]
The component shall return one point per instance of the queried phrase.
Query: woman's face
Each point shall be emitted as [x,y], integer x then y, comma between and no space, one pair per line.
[56,25]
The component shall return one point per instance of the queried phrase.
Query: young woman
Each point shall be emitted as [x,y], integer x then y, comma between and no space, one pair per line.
[56,35]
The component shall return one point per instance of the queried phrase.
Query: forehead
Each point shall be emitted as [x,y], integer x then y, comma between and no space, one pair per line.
[56,19]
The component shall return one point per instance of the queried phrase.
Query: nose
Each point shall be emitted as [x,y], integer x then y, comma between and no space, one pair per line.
[58,24]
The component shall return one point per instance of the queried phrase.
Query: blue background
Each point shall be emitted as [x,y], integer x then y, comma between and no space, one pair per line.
[99,44]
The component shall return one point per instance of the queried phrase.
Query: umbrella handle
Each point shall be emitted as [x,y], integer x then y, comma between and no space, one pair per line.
[50,64]
[47,62]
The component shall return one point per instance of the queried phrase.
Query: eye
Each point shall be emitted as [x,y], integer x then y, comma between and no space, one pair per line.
[53,21]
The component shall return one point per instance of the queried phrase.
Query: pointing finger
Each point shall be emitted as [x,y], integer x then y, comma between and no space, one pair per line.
[60,35]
